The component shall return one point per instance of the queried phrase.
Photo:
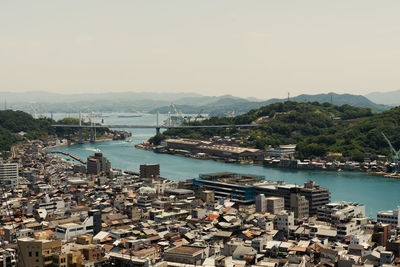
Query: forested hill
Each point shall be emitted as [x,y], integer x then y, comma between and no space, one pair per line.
[17,125]
[317,129]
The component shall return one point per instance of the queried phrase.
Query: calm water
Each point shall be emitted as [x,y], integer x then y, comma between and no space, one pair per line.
[375,192]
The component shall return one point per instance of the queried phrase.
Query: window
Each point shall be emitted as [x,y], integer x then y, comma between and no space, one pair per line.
[37,254]
[30,253]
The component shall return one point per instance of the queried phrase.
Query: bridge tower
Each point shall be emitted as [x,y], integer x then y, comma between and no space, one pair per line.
[80,141]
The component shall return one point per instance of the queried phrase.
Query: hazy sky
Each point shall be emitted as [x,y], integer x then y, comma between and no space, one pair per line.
[256,48]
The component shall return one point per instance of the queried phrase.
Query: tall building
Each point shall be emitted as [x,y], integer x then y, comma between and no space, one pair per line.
[299,206]
[317,196]
[149,170]
[284,220]
[261,203]
[34,252]
[96,214]
[98,164]
[8,174]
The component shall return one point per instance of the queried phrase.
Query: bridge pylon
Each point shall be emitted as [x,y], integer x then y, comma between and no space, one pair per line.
[92,135]
[80,141]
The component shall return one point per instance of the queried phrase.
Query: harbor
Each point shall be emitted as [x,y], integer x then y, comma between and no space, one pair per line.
[373,191]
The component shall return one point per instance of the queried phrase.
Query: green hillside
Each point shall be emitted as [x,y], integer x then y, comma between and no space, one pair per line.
[316,128]
[17,126]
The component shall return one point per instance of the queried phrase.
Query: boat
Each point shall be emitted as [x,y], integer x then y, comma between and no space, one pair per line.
[129,116]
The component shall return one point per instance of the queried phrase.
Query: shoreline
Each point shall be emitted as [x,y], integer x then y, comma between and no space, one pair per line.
[73,144]
[380,174]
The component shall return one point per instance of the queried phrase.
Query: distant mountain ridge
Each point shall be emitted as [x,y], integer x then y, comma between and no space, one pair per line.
[189,103]
[223,106]
[387,98]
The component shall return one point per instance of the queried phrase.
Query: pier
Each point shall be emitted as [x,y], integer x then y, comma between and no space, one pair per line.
[69,155]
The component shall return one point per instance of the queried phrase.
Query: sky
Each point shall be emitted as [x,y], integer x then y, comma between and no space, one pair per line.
[257,48]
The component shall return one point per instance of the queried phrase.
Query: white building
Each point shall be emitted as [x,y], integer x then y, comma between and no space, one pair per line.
[284,220]
[55,205]
[347,229]
[389,217]
[340,211]
[68,231]
[8,174]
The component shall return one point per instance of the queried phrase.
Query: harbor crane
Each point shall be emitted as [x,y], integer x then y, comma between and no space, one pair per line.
[395,154]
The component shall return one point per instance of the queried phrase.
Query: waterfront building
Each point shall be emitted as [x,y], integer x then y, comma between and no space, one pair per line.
[98,164]
[340,211]
[283,151]
[238,187]
[8,174]
[149,170]
[389,217]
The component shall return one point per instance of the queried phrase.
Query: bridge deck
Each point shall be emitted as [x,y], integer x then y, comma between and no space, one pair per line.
[154,126]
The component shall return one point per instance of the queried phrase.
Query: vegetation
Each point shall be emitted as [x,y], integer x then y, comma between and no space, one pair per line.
[18,126]
[317,129]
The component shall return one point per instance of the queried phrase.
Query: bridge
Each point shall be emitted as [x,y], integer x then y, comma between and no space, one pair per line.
[93,127]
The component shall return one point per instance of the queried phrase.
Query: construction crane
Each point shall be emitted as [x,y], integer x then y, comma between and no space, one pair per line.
[179,116]
[395,154]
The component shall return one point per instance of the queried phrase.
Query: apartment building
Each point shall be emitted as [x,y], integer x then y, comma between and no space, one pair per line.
[97,164]
[8,174]
[149,170]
